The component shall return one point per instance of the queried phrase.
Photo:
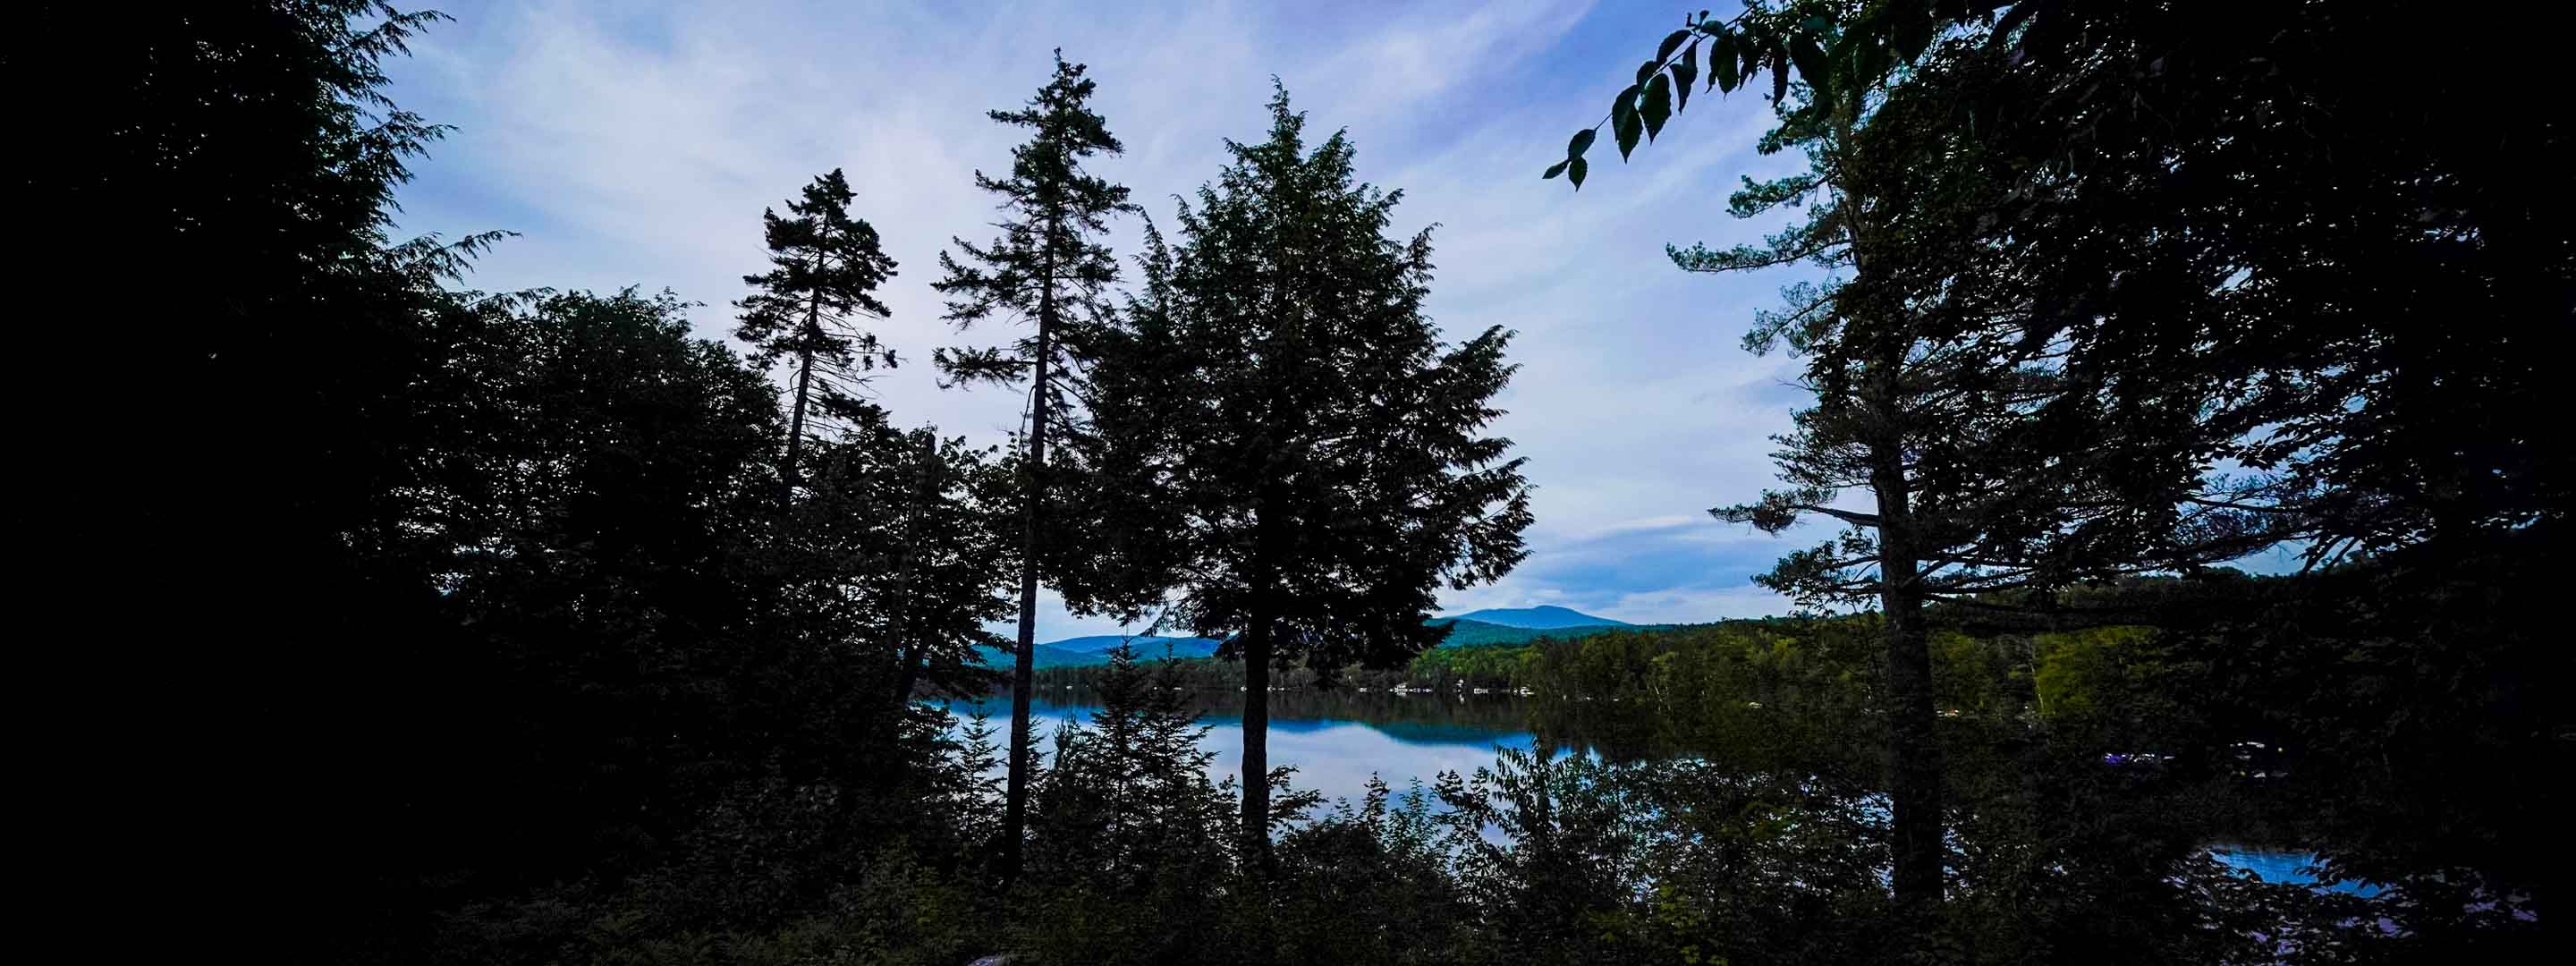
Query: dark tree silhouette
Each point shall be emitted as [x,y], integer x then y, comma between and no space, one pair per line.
[1047,268]
[825,268]
[1329,465]
[251,149]
[916,537]
[1997,453]
[2084,272]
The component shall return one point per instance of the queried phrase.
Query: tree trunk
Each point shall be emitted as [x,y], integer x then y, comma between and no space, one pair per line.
[1259,637]
[1015,805]
[1914,749]
[909,650]
[795,429]
[907,677]
[1256,732]
[804,376]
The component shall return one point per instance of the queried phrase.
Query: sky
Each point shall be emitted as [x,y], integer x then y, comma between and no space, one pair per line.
[636,144]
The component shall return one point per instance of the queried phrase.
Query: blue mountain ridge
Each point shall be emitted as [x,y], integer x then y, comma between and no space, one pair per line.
[1083,651]
[1484,628]
[1542,617]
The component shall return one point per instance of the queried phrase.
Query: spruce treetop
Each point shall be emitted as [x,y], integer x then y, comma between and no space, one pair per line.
[1045,256]
[825,268]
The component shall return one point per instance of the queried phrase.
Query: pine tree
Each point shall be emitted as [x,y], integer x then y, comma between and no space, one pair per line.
[1127,804]
[1045,267]
[2003,441]
[826,268]
[1997,452]
[1327,467]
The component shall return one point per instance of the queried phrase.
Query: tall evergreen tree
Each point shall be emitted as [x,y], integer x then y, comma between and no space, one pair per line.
[1329,466]
[826,267]
[2004,444]
[1048,268]
[2000,447]
[1878,411]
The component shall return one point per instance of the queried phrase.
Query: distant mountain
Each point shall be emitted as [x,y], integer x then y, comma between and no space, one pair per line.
[999,659]
[1540,617]
[1467,633]
[1082,651]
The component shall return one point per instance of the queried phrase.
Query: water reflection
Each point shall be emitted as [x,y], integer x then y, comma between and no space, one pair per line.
[2280,866]
[1335,739]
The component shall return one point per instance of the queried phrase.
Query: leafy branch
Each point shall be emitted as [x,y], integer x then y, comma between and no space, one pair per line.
[1835,56]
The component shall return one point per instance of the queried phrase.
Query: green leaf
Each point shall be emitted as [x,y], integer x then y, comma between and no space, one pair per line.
[1624,125]
[1574,173]
[1659,105]
[1646,70]
[1555,169]
[1779,76]
[1582,142]
[1672,42]
[1724,72]
[1685,72]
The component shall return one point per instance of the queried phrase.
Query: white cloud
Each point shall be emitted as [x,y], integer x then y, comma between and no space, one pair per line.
[1695,604]
[1668,522]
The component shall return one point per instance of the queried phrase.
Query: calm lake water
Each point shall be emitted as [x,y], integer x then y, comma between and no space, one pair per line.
[1334,740]
[1337,740]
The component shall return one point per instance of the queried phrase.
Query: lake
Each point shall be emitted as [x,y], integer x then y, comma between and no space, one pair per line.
[1338,740]
[1335,740]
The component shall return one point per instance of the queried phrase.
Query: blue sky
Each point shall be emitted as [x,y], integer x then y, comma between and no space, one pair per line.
[636,144]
